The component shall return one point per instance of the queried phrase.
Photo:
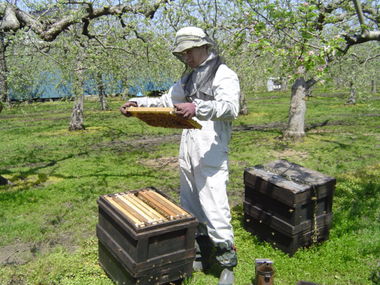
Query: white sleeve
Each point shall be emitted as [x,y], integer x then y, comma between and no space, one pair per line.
[173,96]
[226,90]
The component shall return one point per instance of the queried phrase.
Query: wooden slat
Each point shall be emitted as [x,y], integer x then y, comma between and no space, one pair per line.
[156,215]
[170,204]
[129,209]
[143,211]
[135,221]
[165,205]
[151,110]
[157,205]
[134,209]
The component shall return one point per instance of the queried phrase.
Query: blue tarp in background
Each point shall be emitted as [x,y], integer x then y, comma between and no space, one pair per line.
[145,86]
[51,86]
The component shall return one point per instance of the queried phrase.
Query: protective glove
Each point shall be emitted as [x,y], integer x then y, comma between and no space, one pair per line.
[186,110]
[123,109]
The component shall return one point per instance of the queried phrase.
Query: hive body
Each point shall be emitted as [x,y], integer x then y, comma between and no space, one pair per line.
[288,205]
[147,241]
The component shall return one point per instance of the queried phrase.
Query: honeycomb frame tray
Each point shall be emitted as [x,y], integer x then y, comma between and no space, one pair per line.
[162,117]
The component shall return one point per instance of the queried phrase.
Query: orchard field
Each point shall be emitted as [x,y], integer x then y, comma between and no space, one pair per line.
[49,212]
[60,156]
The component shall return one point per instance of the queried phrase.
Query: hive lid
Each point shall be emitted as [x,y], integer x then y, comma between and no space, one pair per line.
[162,117]
[290,176]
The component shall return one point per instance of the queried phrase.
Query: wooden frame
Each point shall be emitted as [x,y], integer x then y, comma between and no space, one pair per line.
[162,117]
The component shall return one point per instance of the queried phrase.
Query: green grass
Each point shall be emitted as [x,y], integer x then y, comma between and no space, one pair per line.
[49,213]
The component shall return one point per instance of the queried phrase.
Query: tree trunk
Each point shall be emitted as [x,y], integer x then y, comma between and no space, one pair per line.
[373,86]
[284,84]
[243,105]
[124,95]
[3,71]
[297,110]
[352,98]
[77,118]
[102,95]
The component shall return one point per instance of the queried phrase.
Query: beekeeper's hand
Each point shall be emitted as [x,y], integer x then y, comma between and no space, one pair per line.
[186,110]
[123,109]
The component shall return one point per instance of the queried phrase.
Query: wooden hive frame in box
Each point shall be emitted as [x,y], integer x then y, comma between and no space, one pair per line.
[146,207]
[162,117]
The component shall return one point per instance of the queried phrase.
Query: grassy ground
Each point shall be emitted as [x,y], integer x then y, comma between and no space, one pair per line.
[48,215]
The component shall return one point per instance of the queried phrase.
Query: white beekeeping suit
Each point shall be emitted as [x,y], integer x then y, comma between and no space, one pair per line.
[203,152]
[203,155]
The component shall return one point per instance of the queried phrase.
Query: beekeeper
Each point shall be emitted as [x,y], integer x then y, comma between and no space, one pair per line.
[209,93]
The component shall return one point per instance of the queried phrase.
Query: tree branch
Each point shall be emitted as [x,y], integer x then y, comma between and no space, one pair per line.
[359,13]
[9,21]
[364,61]
[15,18]
[367,36]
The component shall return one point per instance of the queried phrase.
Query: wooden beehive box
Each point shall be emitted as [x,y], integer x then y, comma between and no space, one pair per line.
[286,203]
[289,191]
[144,237]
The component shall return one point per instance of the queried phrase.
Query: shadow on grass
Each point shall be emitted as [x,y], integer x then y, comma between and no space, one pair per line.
[357,206]
[43,165]
[31,180]
[21,177]
[356,214]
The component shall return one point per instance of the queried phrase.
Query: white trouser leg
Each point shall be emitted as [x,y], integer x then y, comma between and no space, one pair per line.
[203,191]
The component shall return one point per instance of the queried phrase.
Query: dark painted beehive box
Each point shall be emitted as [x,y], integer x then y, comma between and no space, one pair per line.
[154,254]
[288,205]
